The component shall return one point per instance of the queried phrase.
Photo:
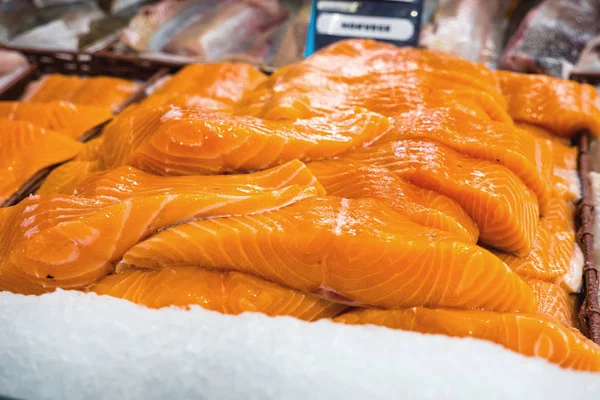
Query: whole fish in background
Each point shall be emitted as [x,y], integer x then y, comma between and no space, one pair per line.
[551,37]
[117,6]
[589,61]
[230,28]
[108,28]
[149,23]
[61,26]
[519,10]
[77,17]
[462,26]
[11,61]
[53,35]
[289,39]
[493,44]
[50,3]
[16,16]
[11,65]
[429,8]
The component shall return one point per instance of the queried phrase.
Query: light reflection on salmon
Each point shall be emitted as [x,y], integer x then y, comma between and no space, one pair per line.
[217,87]
[553,248]
[68,119]
[303,90]
[425,207]
[504,209]
[556,302]
[71,242]
[505,144]
[560,106]
[173,141]
[354,251]
[100,91]
[565,179]
[26,149]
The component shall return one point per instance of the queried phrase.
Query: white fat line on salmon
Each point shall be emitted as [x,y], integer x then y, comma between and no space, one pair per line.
[83,241]
[341,217]
[295,174]
[168,199]
[32,231]
[30,208]
[66,199]
[66,260]
[544,346]
[126,215]
[173,114]
[327,293]
[28,221]
[293,200]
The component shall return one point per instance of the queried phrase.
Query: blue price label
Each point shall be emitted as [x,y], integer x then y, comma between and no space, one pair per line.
[394,21]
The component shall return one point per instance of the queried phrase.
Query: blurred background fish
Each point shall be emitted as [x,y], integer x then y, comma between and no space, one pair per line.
[471,29]
[551,37]
[16,16]
[232,27]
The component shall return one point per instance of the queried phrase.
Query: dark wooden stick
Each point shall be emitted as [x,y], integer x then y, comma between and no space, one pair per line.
[590,309]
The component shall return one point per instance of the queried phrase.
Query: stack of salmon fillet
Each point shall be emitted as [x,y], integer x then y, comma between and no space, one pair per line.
[44,128]
[367,184]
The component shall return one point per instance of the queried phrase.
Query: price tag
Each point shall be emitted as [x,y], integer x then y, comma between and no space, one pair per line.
[394,21]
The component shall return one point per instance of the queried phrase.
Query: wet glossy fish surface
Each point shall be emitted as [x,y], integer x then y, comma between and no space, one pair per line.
[366,184]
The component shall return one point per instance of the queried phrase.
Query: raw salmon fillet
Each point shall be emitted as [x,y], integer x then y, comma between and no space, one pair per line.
[53,87]
[357,58]
[68,119]
[225,292]
[92,150]
[124,183]
[187,101]
[303,90]
[518,150]
[218,86]
[555,257]
[71,242]
[376,76]
[415,102]
[528,334]
[101,91]
[67,177]
[425,207]
[561,106]
[175,141]
[87,179]
[555,302]
[504,209]
[355,251]
[565,177]
[25,149]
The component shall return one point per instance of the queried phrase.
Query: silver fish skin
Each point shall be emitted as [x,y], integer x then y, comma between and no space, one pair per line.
[550,39]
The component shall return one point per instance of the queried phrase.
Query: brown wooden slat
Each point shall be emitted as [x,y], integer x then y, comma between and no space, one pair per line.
[590,311]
